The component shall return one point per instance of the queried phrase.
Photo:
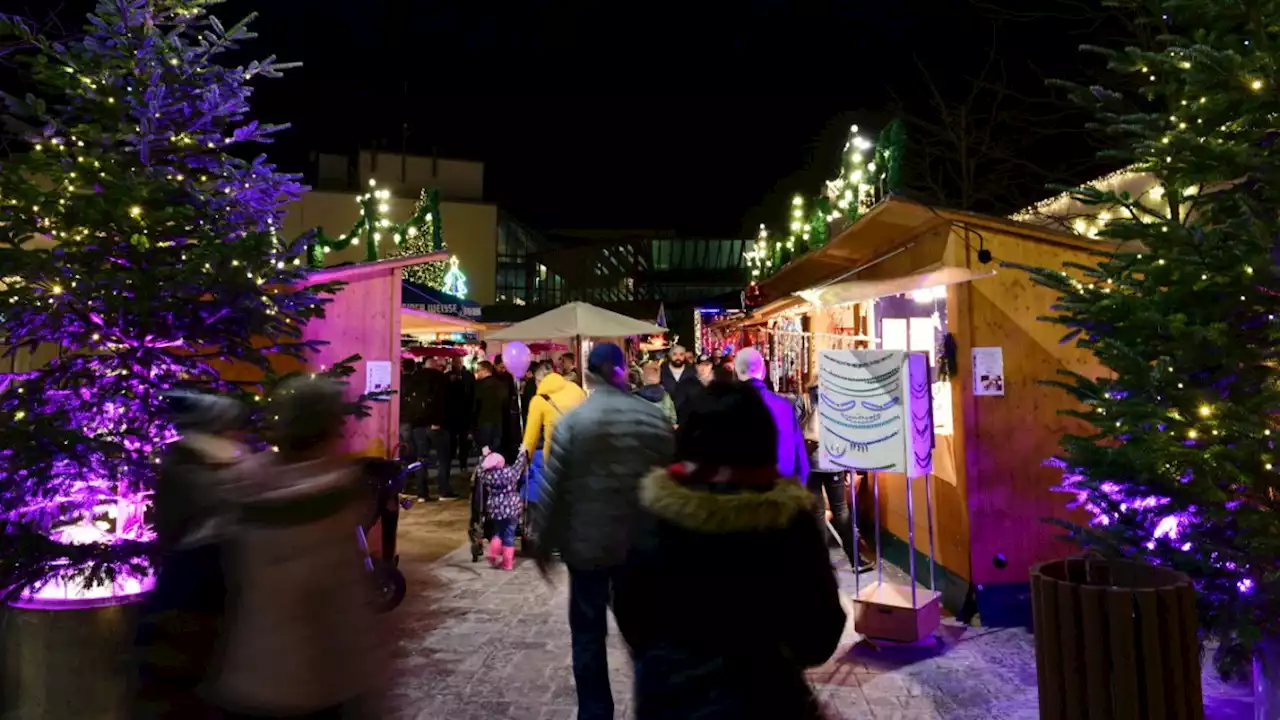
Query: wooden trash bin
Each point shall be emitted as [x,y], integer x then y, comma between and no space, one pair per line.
[1115,640]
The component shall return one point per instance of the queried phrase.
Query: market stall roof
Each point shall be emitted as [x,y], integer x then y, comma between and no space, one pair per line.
[576,319]
[861,290]
[414,322]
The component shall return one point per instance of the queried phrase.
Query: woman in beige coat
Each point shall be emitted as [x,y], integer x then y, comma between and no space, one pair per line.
[301,640]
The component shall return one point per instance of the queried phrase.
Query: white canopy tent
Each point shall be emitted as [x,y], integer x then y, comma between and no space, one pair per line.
[579,321]
[576,320]
[863,290]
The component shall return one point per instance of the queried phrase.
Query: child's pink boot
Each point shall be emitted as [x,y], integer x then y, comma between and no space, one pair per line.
[508,558]
[494,553]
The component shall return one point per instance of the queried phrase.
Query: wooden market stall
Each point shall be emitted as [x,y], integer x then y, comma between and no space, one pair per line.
[368,318]
[912,277]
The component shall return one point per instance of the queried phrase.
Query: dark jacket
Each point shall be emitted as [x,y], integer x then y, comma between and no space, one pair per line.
[599,452]
[682,391]
[434,387]
[704,564]
[511,423]
[492,402]
[413,398]
[528,391]
[459,399]
[793,458]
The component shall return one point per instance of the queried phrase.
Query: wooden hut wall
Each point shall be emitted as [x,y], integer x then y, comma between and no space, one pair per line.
[1002,442]
[364,319]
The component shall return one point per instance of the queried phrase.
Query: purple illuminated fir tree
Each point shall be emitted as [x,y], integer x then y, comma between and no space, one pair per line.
[138,255]
[1180,465]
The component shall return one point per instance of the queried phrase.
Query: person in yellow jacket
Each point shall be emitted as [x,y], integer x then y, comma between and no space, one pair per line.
[556,396]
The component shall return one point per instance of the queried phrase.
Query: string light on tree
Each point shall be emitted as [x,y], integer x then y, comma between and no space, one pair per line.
[1177,466]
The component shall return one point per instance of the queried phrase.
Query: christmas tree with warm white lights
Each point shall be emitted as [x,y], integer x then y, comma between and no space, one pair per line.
[134,243]
[1179,465]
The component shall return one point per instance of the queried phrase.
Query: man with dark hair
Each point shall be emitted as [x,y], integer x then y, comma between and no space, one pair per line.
[511,420]
[434,389]
[599,452]
[491,405]
[680,382]
[415,434]
[459,402]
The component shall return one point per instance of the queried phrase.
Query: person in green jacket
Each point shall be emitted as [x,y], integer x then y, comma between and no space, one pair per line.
[651,389]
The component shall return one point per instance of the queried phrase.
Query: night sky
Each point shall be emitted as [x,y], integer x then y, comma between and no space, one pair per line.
[698,117]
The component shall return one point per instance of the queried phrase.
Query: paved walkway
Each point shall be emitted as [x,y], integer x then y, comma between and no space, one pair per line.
[478,643]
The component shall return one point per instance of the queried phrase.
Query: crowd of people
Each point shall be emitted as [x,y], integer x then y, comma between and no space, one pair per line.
[699,532]
[677,493]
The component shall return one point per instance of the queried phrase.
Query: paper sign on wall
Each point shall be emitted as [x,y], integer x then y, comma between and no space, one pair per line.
[875,412]
[988,371]
[377,376]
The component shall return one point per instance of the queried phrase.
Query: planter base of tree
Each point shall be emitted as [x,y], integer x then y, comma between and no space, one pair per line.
[1115,639]
[66,664]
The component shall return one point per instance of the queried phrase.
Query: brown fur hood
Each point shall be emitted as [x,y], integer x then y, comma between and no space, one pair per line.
[723,513]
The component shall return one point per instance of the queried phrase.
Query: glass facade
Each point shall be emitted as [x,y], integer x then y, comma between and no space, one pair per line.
[535,270]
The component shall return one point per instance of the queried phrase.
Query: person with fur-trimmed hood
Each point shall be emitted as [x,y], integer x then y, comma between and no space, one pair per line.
[727,594]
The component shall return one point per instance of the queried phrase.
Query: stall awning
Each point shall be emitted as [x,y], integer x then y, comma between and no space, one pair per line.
[577,319]
[421,322]
[422,297]
[862,290]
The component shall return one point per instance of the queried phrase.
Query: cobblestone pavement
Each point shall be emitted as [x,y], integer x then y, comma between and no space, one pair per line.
[488,644]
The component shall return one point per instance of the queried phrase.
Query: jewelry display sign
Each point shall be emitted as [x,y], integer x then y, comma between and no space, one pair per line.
[875,412]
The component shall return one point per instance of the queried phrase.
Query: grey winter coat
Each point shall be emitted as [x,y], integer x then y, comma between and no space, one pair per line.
[599,453]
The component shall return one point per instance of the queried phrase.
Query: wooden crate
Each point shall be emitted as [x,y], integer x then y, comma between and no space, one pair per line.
[1115,640]
[884,611]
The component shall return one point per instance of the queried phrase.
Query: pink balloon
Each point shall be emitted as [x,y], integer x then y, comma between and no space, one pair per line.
[517,357]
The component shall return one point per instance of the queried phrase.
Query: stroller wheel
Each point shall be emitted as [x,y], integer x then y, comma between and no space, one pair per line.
[389,587]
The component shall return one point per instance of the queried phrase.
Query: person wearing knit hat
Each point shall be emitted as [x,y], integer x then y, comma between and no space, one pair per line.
[588,505]
[727,594]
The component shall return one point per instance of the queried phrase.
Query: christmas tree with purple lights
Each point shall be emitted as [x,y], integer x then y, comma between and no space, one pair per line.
[138,256]
[1179,465]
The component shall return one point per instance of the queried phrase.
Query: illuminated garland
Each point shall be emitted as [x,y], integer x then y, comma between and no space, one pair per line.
[421,234]
[869,173]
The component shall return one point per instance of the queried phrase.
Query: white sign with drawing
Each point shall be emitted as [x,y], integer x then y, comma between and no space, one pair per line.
[377,376]
[988,371]
[875,412]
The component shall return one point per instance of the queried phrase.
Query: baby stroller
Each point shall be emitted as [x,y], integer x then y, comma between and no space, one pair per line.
[385,479]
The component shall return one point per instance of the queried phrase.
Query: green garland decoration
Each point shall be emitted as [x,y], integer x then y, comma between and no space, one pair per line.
[860,185]
[420,234]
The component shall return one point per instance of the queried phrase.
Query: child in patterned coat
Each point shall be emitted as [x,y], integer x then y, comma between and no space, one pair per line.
[502,486]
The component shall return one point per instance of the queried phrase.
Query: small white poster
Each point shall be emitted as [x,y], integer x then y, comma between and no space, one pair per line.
[377,376]
[988,371]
